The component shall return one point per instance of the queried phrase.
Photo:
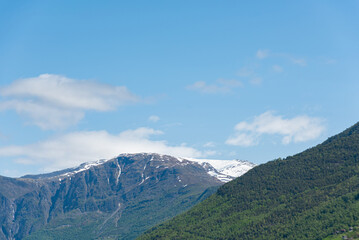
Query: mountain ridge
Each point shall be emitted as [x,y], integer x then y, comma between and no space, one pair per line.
[220,169]
[108,199]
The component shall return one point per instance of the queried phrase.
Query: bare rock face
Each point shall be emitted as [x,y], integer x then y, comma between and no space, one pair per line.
[118,198]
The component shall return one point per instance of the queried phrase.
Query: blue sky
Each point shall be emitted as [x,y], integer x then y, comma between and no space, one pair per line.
[83,80]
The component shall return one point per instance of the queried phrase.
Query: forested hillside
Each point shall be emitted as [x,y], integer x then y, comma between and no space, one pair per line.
[306,196]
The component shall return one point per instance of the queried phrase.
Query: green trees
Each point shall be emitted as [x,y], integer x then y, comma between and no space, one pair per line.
[306,196]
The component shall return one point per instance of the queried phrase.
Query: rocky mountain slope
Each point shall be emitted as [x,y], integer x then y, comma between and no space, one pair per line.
[310,195]
[108,199]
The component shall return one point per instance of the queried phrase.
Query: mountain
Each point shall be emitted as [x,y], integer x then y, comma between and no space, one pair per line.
[224,170]
[310,195]
[108,199]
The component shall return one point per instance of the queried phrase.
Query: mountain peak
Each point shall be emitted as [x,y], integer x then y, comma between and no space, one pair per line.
[223,170]
[102,198]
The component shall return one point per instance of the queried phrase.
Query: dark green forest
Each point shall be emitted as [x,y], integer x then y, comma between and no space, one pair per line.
[306,196]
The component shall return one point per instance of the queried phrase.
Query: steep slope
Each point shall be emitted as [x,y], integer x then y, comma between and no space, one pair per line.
[11,189]
[306,196]
[107,199]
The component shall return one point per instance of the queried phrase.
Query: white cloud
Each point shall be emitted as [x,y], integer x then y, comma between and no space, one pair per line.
[277,68]
[44,115]
[229,83]
[256,81]
[154,118]
[261,54]
[53,101]
[246,72]
[75,148]
[209,145]
[251,75]
[297,129]
[299,61]
[221,86]
[242,139]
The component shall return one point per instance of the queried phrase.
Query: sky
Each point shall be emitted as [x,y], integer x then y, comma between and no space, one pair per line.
[250,80]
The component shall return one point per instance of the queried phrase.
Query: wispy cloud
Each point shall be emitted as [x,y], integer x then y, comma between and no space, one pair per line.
[53,101]
[246,72]
[251,75]
[74,148]
[44,115]
[256,81]
[209,145]
[299,61]
[153,118]
[277,68]
[220,86]
[253,72]
[297,129]
[261,54]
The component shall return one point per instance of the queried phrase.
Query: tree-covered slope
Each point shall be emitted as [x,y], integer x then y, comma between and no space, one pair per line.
[306,196]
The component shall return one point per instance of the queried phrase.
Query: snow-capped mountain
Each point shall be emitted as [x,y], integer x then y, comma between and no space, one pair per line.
[104,199]
[223,170]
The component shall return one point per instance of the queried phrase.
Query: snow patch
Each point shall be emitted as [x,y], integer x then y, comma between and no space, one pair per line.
[143,174]
[119,171]
[224,170]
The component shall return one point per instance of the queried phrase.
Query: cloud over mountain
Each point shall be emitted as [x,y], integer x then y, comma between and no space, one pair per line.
[77,147]
[53,101]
